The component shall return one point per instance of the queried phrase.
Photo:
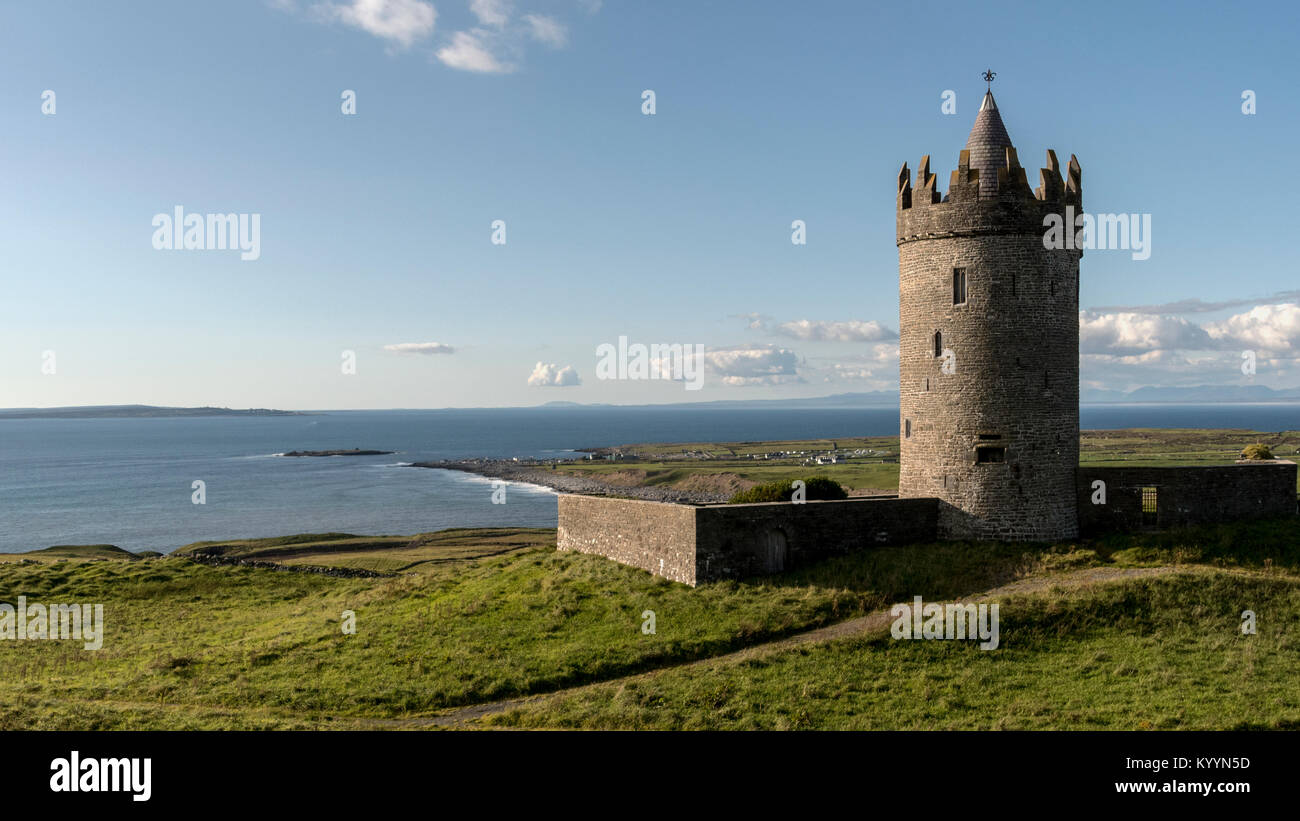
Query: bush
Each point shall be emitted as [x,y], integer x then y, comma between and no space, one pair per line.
[816,487]
[1257,451]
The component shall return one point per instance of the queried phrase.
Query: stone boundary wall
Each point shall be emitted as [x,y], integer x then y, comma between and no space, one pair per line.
[654,536]
[1186,495]
[694,544]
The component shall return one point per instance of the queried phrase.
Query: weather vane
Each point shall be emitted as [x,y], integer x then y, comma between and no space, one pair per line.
[989,74]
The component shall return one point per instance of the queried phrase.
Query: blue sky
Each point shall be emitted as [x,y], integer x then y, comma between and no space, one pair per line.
[670,228]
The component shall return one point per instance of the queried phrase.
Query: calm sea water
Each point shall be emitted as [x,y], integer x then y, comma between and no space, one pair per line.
[128,481]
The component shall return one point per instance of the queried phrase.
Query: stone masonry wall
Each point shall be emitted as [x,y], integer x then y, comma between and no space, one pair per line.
[1186,495]
[694,544]
[1014,383]
[734,541]
[654,536]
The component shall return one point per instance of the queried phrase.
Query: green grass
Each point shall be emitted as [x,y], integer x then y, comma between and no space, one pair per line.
[487,615]
[280,546]
[65,551]
[815,488]
[857,474]
[386,554]
[243,647]
[1264,545]
[1160,653]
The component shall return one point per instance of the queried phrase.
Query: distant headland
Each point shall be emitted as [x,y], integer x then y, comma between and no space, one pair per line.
[135,412]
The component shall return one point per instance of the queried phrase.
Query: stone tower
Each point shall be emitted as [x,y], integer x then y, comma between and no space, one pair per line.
[989,343]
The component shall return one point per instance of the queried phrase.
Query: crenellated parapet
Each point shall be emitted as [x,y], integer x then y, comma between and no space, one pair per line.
[1009,207]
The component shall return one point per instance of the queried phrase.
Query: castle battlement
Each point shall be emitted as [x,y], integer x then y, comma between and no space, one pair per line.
[1009,206]
[989,191]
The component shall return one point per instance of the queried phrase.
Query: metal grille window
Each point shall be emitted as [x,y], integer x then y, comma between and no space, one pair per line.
[1150,506]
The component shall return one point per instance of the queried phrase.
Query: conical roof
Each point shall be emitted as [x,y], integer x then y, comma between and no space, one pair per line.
[987,145]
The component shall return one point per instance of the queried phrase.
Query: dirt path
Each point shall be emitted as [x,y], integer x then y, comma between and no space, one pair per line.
[870,624]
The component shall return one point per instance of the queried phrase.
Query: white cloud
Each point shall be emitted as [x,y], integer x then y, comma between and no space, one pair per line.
[1193,306]
[420,347]
[885,353]
[1160,368]
[1125,351]
[548,374]
[821,331]
[1273,328]
[469,52]
[1133,333]
[1165,361]
[1266,327]
[495,46]
[848,373]
[817,330]
[398,21]
[755,321]
[480,49]
[753,365]
[491,12]
[878,369]
[547,30]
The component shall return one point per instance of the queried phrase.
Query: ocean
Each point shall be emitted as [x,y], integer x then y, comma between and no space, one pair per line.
[128,482]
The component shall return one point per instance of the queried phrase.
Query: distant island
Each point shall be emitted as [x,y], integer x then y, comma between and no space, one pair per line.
[348,452]
[135,412]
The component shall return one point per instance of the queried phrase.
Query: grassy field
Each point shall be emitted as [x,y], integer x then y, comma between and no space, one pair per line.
[468,617]
[479,616]
[1164,652]
[87,551]
[680,465]
[382,554]
[1159,653]
[189,645]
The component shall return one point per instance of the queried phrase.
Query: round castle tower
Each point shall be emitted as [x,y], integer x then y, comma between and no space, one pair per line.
[989,343]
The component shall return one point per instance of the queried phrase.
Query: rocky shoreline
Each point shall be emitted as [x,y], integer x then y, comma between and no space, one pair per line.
[540,473]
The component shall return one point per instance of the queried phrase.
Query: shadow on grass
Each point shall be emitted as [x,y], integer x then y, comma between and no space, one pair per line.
[940,569]
[1261,544]
[953,569]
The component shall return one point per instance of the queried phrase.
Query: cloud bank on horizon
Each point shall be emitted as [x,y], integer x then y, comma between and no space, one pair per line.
[420,348]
